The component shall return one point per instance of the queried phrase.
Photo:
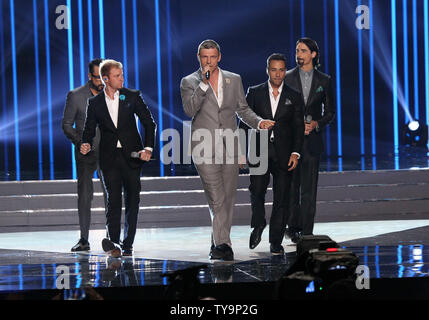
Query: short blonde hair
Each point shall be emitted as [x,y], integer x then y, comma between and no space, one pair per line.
[107,65]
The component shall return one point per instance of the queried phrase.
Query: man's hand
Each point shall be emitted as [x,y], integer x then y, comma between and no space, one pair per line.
[309,127]
[85,148]
[204,70]
[242,161]
[266,124]
[145,155]
[293,162]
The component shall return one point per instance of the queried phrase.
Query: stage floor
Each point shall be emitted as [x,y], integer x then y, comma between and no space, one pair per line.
[30,260]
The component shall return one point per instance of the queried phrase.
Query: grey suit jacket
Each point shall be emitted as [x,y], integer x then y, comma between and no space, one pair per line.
[206,115]
[75,114]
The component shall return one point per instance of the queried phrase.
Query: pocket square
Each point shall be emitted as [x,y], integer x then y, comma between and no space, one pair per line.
[288,102]
[320,89]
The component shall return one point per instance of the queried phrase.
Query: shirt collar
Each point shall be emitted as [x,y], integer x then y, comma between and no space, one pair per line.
[309,73]
[115,95]
[271,88]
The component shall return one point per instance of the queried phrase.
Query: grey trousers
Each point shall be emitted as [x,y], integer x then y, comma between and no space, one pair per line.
[85,192]
[220,187]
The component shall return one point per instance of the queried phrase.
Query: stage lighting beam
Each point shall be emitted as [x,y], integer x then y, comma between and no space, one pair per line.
[15,89]
[37,78]
[71,67]
[159,75]
[338,79]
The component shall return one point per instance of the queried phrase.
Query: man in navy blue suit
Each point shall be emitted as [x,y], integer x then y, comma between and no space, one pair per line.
[121,151]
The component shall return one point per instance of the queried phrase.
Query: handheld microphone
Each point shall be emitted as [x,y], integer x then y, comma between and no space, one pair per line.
[207,74]
[308,118]
[135,155]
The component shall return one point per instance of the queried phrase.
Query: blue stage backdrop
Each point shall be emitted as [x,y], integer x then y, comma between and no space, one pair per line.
[376,51]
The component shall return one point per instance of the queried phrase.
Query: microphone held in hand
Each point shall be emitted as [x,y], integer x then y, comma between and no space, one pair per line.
[308,118]
[135,155]
[207,74]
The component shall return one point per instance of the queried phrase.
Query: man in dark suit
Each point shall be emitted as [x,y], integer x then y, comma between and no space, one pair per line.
[319,110]
[275,100]
[121,151]
[74,114]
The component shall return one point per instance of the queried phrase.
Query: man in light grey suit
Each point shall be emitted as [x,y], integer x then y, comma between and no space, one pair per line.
[212,98]
[75,114]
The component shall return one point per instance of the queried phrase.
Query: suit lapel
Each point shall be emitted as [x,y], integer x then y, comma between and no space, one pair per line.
[298,83]
[105,110]
[267,105]
[121,108]
[281,103]
[225,83]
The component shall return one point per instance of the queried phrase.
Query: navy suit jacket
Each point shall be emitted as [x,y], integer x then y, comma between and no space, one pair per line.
[130,104]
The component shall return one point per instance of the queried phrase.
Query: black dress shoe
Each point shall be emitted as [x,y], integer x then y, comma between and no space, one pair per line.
[277,249]
[127,252]
[296,237]
[289,233]
[110,247]
[222,252]
[82,245]
[255,237]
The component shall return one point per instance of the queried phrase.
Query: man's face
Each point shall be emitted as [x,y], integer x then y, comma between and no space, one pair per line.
[95,79]
[210,58]
[276,72]
[115,80]
[304,57]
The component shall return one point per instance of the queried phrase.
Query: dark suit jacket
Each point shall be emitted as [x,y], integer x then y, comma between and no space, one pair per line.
[289,127]
[320,104]
[74,120]
[130,104]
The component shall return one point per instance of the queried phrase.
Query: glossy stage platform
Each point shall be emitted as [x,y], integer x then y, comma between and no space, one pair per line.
[31,263]
[381,216]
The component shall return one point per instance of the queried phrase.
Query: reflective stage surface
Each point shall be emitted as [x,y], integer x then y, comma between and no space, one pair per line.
[100,271]
[383,246]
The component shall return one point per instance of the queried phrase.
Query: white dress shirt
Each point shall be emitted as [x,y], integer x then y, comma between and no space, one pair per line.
[219,96]
[274,101]
[113,107]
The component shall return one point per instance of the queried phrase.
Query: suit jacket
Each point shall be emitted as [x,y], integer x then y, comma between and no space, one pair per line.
[206,115]
[289,127]
[130,104]
[320,104]
[75,114]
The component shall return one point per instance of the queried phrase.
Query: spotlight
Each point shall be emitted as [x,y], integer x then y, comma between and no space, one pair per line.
[413,125]
[415,134]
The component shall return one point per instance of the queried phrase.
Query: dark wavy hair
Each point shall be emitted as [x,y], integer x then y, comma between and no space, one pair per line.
[312,45]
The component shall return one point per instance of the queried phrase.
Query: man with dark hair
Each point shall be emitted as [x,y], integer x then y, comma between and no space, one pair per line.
[213,98]
[319,110]
[275,100]
[74,114]
[121,152]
